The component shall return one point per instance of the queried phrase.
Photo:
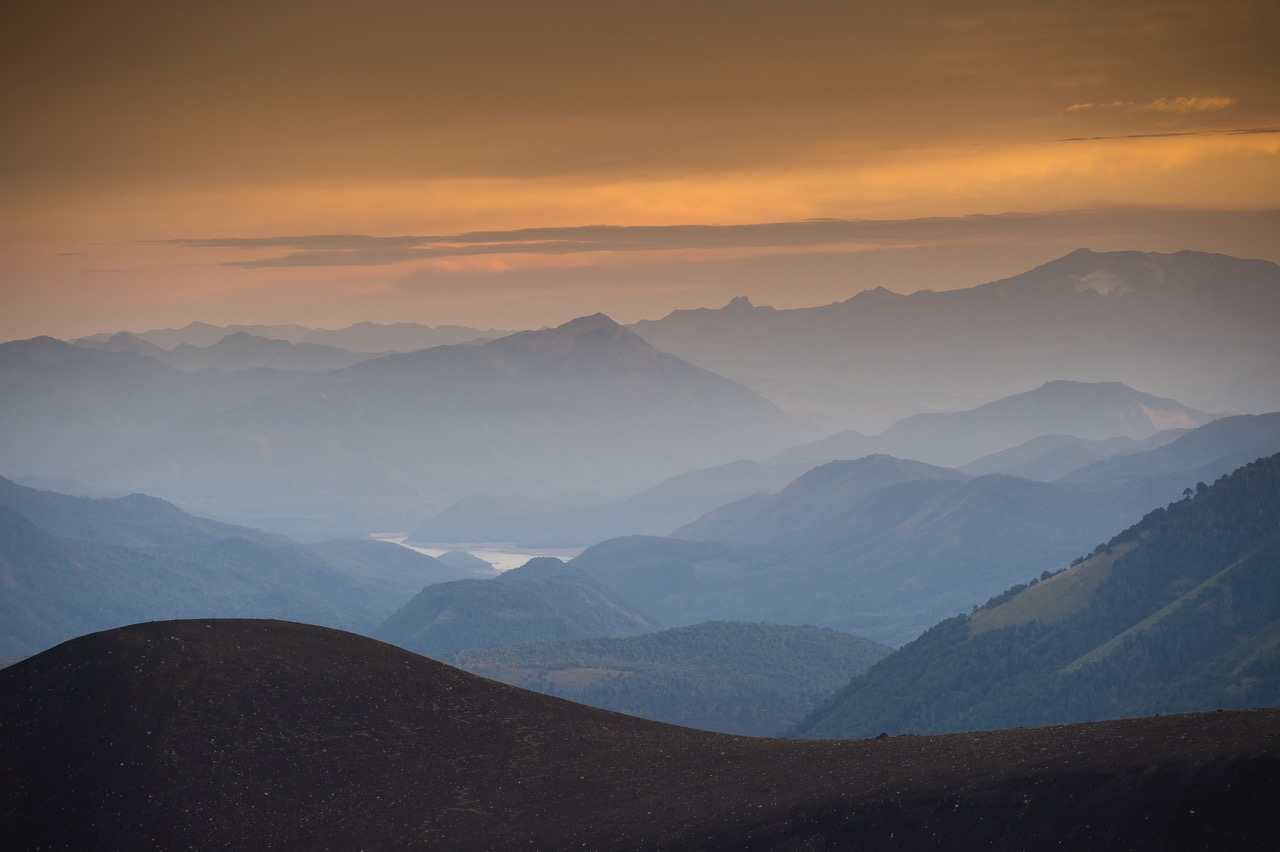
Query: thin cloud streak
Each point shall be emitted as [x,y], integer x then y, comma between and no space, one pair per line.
[1179,104]
[338,250]
[1240,131]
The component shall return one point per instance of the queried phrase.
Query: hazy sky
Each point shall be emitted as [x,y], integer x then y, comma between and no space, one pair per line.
[513,163]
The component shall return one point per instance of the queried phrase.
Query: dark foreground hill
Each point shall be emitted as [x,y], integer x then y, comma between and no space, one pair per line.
[271,735]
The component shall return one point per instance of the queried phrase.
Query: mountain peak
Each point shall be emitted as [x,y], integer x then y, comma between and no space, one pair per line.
[738,303]
[590,332]
[873,295]
[587,324]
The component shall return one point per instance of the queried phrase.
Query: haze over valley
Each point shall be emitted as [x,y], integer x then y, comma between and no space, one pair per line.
[661,426]
[738,568]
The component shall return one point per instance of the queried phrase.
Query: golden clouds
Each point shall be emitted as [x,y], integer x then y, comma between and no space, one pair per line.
[129,94]
[141,121]
[1180,104]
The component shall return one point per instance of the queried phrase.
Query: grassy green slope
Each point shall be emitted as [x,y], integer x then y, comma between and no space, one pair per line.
[1181,612]
[729,676]
[544,599]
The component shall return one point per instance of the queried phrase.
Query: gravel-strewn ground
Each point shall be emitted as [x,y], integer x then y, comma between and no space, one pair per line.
[240,734]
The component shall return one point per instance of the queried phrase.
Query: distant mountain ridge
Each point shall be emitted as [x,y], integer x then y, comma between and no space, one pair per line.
[72,565]
[241,350]
[1051,457]
[1090,411]
[887,562]
[362,337]
[1117,420]
[822,494]
[1209,451]
[586,408]
[66,407]
[1192,326]
[671,503]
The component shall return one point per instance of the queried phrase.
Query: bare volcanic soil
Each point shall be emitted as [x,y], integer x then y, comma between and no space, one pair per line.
[270,735]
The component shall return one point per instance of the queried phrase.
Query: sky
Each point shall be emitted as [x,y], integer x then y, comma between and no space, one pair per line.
[517,163]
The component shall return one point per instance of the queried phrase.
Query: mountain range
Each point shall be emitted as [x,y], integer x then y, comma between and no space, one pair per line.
[1104,420]
[279,428]
[1179,612]
[237,351]
[577,522]
[1190,326]
[366,337]
[72,565]
[1054,456]
[381,445]
[1090,411]
[885,548]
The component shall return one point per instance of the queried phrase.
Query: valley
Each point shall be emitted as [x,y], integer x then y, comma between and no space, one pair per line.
[679,547]
[673,426]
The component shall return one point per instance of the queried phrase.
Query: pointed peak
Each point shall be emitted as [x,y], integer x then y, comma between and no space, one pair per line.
[592,331]
[594,322]
[42,347]
[875,294]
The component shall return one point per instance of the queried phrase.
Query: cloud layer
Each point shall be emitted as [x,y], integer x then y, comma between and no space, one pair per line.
[399,138]
[366,250]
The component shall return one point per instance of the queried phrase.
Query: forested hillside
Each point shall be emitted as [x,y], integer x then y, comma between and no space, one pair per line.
[734,677]
[1179,612]
[543,599]
[73,565]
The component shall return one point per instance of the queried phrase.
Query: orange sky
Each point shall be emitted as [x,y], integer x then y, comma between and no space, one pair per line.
[147,146]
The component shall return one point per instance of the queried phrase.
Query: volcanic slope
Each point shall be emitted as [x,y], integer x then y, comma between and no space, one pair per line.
[272,735]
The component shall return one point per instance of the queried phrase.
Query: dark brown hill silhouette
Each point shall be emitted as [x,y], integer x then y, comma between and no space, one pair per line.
[245,734]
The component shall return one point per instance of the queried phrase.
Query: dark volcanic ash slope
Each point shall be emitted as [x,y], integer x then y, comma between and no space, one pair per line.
[271,735]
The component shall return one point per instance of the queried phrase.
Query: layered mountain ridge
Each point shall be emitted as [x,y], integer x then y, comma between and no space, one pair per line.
[886,548]
[586,408]
[1179,612]
[72,565]
[1193,326]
